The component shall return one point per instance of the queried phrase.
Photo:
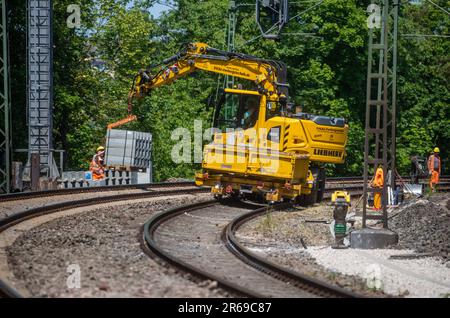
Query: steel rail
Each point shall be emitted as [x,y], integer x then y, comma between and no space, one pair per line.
[304,282]
[152,247]
[307,283]
[49,193]
[445,181]
[7,222]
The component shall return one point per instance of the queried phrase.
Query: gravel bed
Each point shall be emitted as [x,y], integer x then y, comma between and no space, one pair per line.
[424,226]
[10,207]
[278,236]
[105,246]
[195,238]
[422,277]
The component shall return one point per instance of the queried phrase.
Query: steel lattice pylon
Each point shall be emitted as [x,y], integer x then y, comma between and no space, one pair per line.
[380,128]
[229,80]
[5,106]
[40,83]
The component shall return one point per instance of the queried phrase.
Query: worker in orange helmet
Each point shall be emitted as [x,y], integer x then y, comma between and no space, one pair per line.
[434,168]
[96,167]
[378,182]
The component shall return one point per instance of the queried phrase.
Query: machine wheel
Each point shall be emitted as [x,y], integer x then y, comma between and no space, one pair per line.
[318,189]
[321,180]
[308,199]
[235,196]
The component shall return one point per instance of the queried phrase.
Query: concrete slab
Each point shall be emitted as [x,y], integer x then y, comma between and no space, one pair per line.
[373,238]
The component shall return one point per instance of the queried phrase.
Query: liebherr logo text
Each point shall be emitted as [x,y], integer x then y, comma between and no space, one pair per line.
[328,153]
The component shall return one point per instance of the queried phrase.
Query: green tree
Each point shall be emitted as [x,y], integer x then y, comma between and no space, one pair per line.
[325,51]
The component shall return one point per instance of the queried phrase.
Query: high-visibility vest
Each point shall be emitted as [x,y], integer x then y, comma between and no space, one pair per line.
[379,178]
[434,164]
[95,166]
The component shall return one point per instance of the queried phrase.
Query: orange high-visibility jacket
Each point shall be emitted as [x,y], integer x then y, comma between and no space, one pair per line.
[96,168]
[434,164]
[379,178]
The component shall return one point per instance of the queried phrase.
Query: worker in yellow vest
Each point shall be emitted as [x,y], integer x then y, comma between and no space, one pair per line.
[434,168]
[378,182]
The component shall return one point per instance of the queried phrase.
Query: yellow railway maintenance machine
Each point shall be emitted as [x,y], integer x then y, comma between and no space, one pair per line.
[265,150]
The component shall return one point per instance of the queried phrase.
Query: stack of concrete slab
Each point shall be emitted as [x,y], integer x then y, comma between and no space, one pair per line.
[83,179]
[78,179]
[128,149]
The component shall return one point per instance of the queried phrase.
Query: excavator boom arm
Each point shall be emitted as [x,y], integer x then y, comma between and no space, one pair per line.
[269,76]
[123,121]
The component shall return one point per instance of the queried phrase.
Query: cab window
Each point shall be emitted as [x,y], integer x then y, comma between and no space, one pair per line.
[248,111]
[237,111]
[274,134]
[273,109]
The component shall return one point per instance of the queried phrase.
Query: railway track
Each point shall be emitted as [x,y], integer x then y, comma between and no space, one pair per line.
[198,238]
[358,180]
[52,193]
[331,182]
[302,281]
[7,222]
[289,283]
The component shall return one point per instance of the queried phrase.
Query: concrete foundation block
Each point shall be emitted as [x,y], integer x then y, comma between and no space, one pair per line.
[373,238]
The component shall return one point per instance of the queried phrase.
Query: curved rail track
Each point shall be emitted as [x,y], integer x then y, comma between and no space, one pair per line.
[332,181]
[51,193]
[203,249]
[307,283]
[283,282]
[7,222]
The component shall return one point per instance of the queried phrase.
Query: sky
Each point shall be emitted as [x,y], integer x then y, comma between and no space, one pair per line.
[157,9]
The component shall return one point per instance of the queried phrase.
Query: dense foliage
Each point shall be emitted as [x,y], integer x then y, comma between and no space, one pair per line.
[325,50]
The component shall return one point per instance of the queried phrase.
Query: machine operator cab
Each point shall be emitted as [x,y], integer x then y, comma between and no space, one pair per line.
[322,137]
[280,148]
[236,111]
[260,146]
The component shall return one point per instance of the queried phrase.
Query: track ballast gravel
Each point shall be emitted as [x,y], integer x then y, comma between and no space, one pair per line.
[105,245]
[279,236]
[425,227]
[195,238]
[8,208]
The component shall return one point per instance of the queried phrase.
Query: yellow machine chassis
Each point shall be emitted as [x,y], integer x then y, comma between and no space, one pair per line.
[270,189]
[282,170]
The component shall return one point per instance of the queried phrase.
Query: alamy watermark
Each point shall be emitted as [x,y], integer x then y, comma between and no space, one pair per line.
[74,279]
[232,146]
[373,277]
[374,19]
[74,19]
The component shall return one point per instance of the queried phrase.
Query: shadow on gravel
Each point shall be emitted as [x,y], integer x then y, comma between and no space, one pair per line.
[242,204]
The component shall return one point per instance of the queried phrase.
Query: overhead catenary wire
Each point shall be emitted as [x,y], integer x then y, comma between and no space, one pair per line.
[425,35]
[290,19]
[416,35]
[438,6]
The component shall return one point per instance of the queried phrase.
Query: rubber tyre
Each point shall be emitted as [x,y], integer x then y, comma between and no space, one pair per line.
[308,199]
[321,185]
